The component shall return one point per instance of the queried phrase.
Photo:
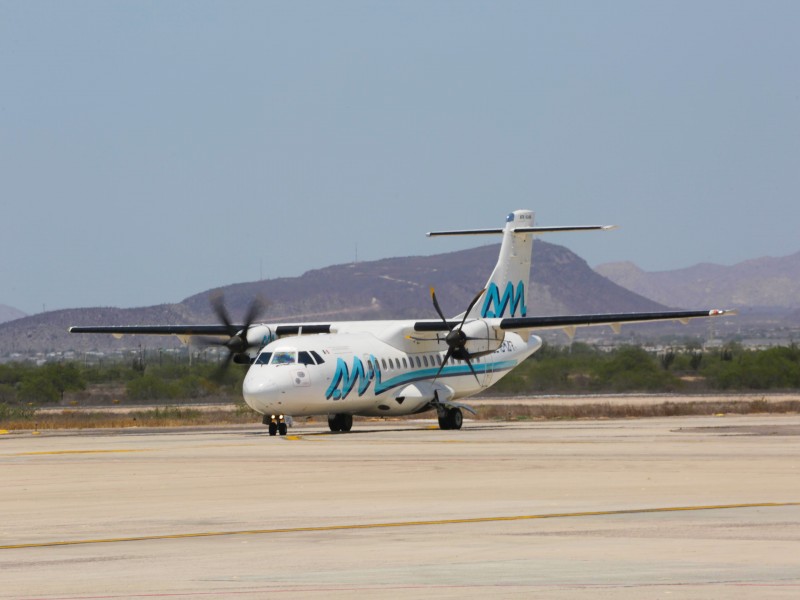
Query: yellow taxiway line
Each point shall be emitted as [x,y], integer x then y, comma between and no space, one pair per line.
[355,526]
[57,452]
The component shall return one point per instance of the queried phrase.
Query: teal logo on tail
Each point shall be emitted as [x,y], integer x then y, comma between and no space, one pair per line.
[495,305]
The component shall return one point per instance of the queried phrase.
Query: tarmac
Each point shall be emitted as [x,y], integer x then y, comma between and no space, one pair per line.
[682,507]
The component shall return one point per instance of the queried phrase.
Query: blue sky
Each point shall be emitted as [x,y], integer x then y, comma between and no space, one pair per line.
[152,150]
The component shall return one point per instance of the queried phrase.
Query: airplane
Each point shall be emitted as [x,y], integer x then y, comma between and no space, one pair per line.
[397,367]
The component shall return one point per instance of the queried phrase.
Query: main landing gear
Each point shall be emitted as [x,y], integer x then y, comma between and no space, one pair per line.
[450,418]
[276,424]
[340,422]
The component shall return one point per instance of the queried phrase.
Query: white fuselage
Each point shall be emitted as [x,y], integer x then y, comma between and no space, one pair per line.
[369,370]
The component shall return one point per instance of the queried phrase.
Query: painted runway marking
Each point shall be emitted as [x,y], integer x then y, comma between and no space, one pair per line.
[119,450]
[55,452]
[356,526]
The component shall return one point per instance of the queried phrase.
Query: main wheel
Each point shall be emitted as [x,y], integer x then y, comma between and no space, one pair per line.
[273,428]
[333,423]
[444,421]
[340,422]
[451,419]
[456,418]
[345,422]
[282,428]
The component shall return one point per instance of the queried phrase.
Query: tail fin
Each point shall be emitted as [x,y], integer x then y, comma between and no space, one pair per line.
[507,289]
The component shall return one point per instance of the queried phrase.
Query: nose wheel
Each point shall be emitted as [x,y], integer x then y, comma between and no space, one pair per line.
[276,424]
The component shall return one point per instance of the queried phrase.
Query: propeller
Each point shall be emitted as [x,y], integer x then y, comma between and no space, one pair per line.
[237,342]
[456,339]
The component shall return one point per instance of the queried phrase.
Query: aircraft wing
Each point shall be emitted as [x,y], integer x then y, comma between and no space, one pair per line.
[607,319]
[572,321]
[156,329]
[188,330]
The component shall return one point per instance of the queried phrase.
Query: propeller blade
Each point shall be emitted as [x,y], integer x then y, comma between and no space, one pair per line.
[447,356]
[469,308]
[205,340]
[256,307]
[219,372]
[469,364]
[218,306]
[437,307]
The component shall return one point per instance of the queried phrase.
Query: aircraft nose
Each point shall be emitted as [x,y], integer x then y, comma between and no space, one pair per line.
[258,390]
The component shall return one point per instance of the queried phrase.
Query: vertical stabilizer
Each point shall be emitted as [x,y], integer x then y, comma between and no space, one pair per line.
[507,289]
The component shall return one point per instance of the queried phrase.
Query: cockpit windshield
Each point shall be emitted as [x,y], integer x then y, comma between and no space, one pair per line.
[284,357]
[289,357]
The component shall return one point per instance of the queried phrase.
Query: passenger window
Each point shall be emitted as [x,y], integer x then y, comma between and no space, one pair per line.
[425,360]
[405,364]
[317,357]
[263,358]
[304,358]
[383,364]
[419,362]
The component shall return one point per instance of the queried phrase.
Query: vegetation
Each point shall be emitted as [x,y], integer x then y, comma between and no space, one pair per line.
[577,369]
[584,369]
[600,410]
[24,384]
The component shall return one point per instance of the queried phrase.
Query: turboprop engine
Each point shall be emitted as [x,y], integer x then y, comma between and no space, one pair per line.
[481,338]
[254,338]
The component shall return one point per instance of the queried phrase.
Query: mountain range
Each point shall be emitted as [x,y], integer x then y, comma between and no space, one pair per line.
[767,284]
[392,288]
[767,290]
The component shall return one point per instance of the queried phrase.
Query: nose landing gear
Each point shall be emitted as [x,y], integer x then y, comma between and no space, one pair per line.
[276,424]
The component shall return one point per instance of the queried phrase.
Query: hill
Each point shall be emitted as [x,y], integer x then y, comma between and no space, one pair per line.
[9,313]
[766,284]
[562,283]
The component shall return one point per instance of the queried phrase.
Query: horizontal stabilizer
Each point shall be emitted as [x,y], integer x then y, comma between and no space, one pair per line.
[522,230]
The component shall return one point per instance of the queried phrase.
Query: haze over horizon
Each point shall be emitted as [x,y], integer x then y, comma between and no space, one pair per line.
[153,150]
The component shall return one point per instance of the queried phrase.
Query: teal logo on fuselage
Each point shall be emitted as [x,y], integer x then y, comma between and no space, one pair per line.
[495,305]
[344,379]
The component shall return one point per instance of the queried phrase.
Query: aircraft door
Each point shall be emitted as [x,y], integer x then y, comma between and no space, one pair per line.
[370,368]
[488,371]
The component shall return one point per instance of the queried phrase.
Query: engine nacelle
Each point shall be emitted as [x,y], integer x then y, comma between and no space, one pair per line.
[482,338]
[259,336]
